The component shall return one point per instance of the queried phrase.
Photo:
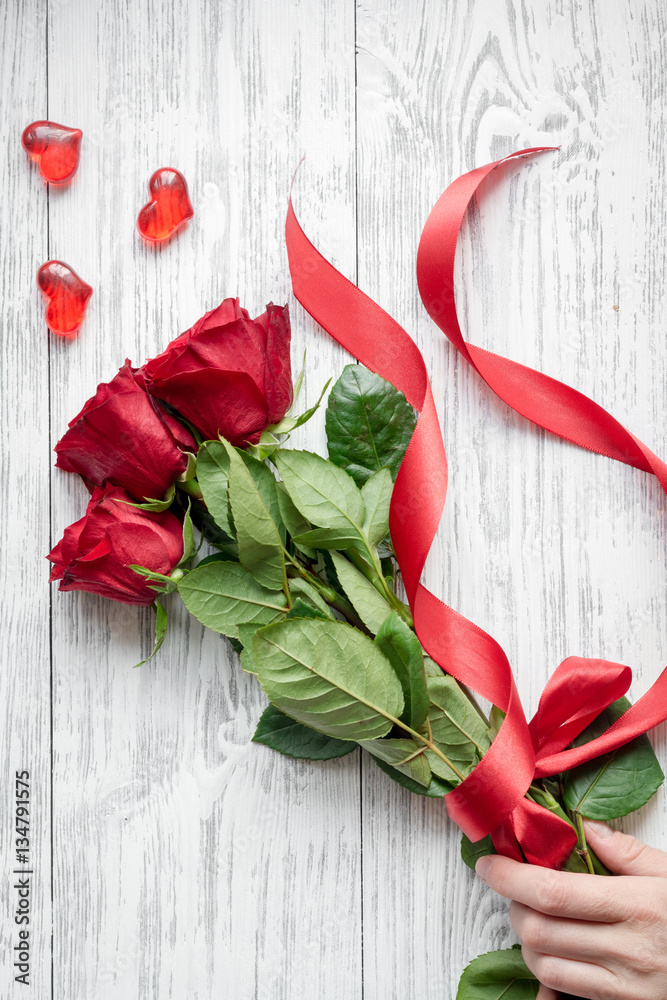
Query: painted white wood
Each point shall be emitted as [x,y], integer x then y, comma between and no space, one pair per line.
[187,861]
[24,499]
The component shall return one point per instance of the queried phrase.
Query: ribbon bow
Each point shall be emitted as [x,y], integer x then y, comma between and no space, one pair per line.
[578,691]
[492,798]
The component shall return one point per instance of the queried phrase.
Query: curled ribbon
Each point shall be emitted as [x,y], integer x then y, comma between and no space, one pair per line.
[491,800]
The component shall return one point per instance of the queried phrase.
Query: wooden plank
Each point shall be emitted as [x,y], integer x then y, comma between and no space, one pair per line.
[187,860]
[24,492]
[552,550]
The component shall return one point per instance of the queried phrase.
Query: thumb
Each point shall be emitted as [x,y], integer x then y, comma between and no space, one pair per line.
[623,854]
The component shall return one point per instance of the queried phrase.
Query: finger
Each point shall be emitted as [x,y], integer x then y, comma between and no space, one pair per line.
[575,939]
[545,993]
[562,894]
[581,979]
[623,854]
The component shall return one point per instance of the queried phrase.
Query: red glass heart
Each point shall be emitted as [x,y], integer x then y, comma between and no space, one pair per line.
[55,148]
[67,294]
[169,207]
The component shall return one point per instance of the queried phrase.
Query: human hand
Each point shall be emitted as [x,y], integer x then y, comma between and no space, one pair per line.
[590,936]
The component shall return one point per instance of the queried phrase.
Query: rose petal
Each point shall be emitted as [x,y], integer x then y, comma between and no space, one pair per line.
[216,402]
[121,436]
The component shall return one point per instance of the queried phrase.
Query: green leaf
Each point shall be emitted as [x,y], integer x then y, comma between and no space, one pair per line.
[496,718]
[266,482]
[403,650]
[369,604]
[203,520]
[328,675]
[300,609]
[472,851]
[405,756]
[288,423]
[191,470]
[458,730]
[298,383]
[156,506]
[222,595]
[440,768]
[216,557]
[246,631]
[301,588]
[213,478]
[616,783]
[259,527]
[376,493]
[188,538]
[431,668]
[156,581]
[150,574]
[388,570]
[436,790]
[498,974]
[369,423]
[328,573]
[266,446]
[323,493]
[293,520]
[330,538]
[278,731]
[161,626]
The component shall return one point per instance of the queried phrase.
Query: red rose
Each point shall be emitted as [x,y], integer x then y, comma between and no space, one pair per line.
[126,438]
[228,374]
[95,553]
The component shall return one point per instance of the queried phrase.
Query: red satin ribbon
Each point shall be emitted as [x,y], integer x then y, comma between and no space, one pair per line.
[492,798]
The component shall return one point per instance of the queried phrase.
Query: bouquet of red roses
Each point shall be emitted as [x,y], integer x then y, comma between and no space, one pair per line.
[301,575]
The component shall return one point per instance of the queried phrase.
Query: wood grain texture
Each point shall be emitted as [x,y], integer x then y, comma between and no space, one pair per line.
[187,861]
[24,495]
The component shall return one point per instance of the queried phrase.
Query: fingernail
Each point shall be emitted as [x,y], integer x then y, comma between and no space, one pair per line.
[600,830]
[482,867]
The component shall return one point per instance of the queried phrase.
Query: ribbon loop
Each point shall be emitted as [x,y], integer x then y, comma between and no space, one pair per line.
[576,693]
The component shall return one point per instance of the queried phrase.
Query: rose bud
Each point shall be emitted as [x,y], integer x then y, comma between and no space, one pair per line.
[125,437]
[228,374]
[96,552]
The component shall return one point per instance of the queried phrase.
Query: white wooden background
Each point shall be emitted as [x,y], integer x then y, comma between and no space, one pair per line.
[173,858]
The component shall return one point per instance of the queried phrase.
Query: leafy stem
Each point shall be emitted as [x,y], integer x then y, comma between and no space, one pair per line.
[332,598]
[430,745]
[286,591]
